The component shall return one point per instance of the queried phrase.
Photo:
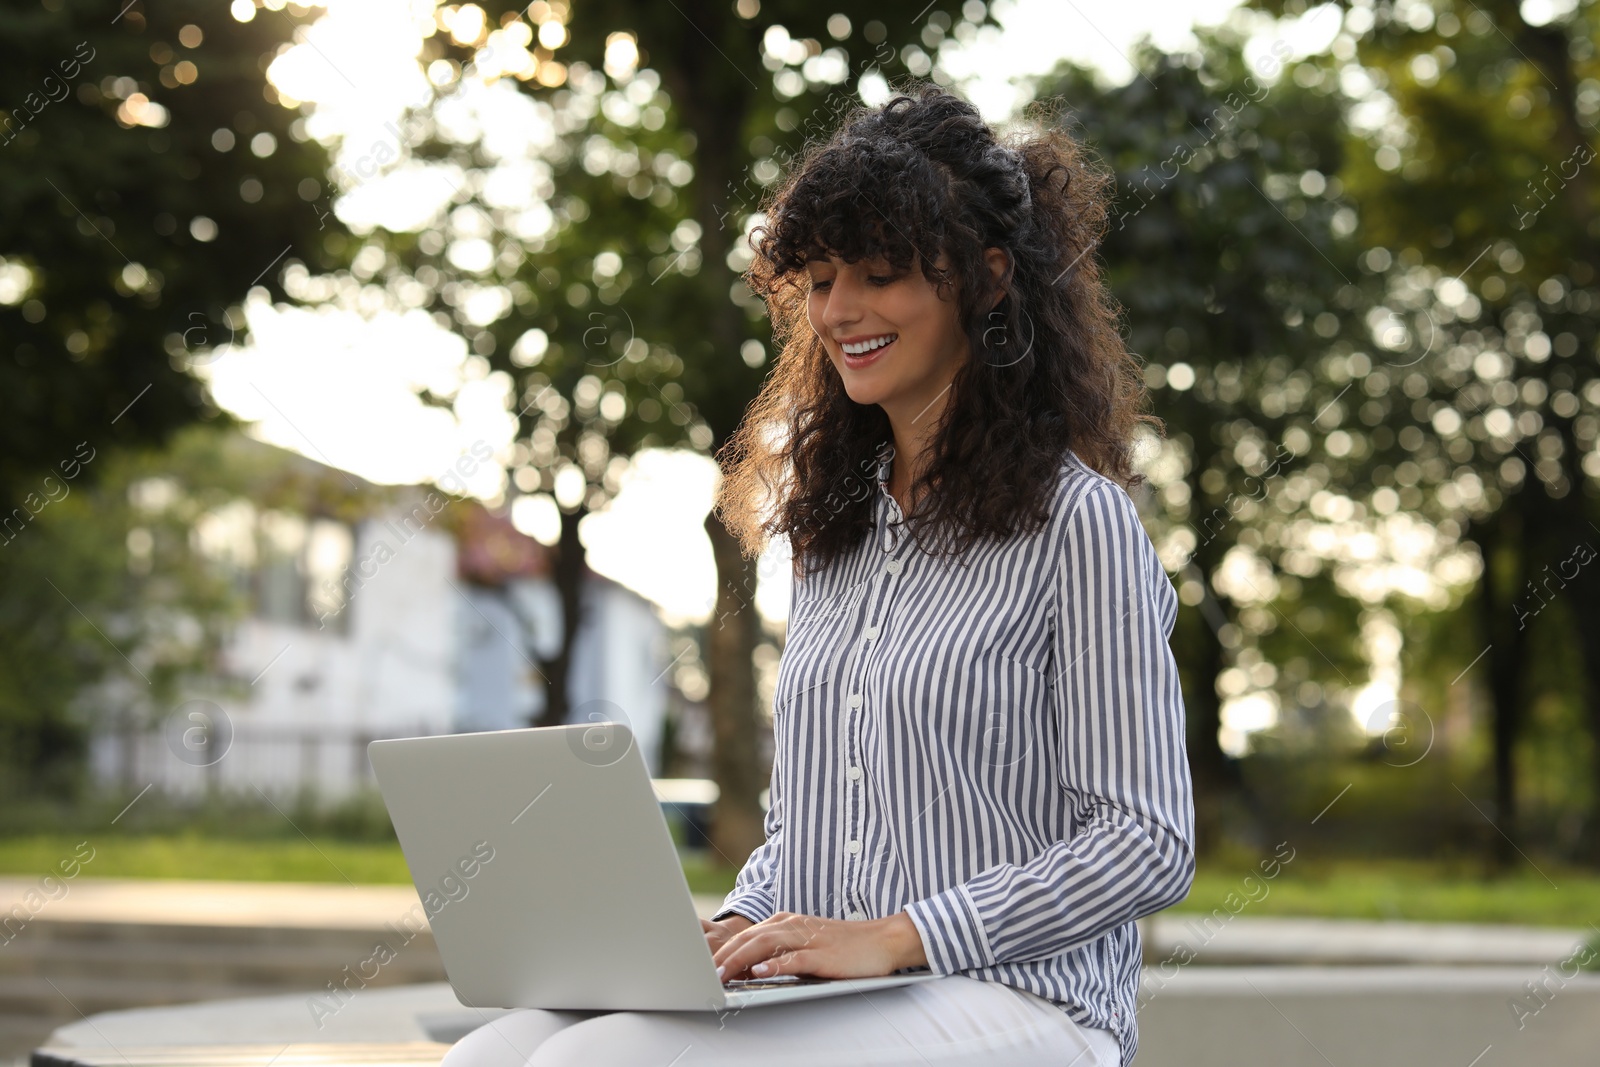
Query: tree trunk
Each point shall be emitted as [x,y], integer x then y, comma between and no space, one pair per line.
[1507,636]
[1549,48]
[715,105]
[731,638]
[1582,594]
[570,568]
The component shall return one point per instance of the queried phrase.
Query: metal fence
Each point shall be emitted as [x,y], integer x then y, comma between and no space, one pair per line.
[330,763]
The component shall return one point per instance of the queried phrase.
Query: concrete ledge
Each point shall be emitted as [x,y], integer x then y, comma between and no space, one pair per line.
[1201,1017]
[394,1054]
[1224,938]
[426,1013]
[1415,1016]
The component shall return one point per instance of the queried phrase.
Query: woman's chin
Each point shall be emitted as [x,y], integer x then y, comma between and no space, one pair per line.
[862,393]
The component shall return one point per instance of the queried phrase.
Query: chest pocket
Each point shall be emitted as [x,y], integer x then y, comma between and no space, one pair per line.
[818,640]
[1015,709]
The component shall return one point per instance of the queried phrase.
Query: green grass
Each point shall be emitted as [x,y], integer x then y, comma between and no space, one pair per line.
[1377,889]
[704,877]
[1395,889]
[195,856]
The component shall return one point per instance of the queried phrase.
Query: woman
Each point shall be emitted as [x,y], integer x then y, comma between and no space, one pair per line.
[979,764]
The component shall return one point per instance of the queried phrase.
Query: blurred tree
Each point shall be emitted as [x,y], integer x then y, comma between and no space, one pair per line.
[147,181]
[668,121]
[566,261]
[1228,251]
[1471,163]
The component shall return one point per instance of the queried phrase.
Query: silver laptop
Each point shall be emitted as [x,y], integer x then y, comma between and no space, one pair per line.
[546,869]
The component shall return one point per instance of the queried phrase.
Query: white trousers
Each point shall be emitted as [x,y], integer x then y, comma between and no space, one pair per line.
[955,1020]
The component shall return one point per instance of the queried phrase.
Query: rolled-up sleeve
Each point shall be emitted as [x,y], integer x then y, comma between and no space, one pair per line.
[1122,763]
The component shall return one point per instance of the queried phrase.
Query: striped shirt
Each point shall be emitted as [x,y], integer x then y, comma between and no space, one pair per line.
[993,744]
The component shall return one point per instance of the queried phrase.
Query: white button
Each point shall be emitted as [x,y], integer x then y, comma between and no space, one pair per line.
[870,632]
[853,847]
[855,916]
[854,773]
[893,566]
[855,700]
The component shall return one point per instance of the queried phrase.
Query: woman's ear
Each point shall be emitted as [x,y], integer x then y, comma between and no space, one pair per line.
[999,264]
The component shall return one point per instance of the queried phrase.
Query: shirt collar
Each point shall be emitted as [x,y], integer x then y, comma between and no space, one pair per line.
[885,465]
[885,468]
[888,507]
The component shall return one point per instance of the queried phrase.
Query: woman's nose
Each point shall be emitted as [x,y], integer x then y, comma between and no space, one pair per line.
[843,307]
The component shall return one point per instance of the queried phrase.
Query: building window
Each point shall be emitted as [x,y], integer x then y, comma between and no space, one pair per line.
[292,568]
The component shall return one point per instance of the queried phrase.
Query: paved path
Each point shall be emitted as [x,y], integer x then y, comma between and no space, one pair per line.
[145,900]
[1214,939]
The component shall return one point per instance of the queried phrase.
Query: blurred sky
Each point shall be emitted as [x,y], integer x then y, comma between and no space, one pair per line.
[337,382]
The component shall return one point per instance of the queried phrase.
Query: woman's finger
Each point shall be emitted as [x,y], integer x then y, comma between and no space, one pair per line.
[749,947]
[741,950]
[739,938]
[788,961]
[778,947]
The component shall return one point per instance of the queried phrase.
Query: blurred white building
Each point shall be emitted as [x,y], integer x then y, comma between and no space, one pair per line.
[392,625]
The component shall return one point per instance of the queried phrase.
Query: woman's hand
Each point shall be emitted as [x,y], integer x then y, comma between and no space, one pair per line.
[826,948]
[717,933]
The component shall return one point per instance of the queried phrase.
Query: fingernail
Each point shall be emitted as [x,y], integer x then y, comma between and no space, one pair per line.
[719,974]
[760,968]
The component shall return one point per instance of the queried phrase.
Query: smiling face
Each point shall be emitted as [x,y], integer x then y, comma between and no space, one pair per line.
[895,341]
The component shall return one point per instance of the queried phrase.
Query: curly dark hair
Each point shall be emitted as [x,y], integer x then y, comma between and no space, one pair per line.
[923,180]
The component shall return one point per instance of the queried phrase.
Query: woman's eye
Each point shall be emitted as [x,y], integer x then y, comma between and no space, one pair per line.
[881,279]
[818,286]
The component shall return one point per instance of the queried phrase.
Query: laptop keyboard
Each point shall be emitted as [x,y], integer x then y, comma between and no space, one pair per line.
[776,982]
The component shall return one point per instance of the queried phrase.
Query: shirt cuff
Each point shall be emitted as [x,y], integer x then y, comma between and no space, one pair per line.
[953,937]
[753,905]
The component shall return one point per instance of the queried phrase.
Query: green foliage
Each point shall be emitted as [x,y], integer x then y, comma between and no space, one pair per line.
[148,180]
[746,110]
[1481,212]
[633,289]
[1397,314]
[1240,293]
[112,294]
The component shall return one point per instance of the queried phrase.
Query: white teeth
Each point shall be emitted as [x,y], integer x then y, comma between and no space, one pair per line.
[867,346]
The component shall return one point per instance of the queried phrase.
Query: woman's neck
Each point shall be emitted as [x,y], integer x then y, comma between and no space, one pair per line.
[911,454]
[913,442]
